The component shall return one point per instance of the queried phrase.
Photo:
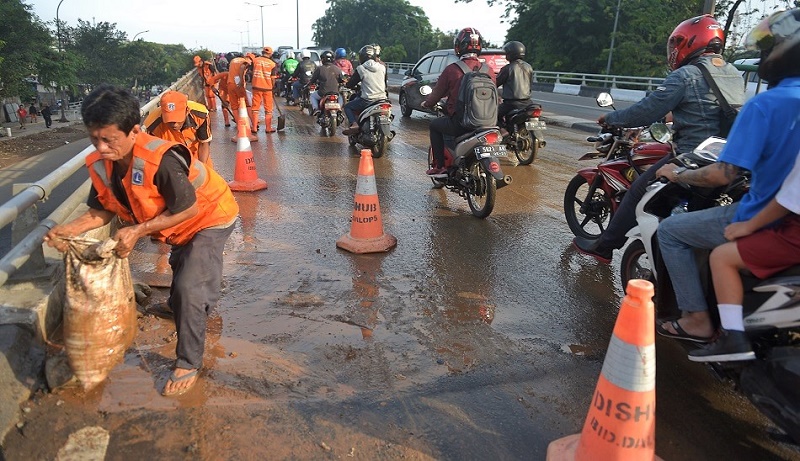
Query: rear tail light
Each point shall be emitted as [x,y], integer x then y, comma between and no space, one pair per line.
[386,106]
[537,112]
[491,137]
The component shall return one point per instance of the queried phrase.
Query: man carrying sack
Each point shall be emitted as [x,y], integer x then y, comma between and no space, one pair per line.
[157,189]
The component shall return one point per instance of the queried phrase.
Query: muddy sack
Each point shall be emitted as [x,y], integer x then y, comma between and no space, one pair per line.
[99,309]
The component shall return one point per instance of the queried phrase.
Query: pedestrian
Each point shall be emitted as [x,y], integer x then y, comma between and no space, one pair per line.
[265,71]
[22,114]
[47,116]
[33,112]
[180,120]
[157,189]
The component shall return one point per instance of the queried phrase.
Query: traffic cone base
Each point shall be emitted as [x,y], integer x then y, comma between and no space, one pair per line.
[366,227]
[620,423]
[245,176]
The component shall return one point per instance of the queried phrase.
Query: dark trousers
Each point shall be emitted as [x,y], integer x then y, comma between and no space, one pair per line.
[47,121]
[507,106]
[625,217]
[439,127]
[196,279]
[355,107]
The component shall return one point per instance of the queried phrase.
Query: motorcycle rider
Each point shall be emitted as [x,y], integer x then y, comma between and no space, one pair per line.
[342,62]
[371,74]
[328,76]
[761,249]
[695,113]
[515,78]
[468,45]
[287,69]
[305,69]
[764,140]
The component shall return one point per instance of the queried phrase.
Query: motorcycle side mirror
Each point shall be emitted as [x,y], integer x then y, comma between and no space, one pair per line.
[605,100]
[660,132]
[425,90]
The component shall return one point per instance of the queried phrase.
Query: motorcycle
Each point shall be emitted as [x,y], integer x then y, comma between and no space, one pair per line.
[473,166]
[330,114]
[525,136]
[593,195]
[771,307]
[288,90]
[305,97]
[374,124]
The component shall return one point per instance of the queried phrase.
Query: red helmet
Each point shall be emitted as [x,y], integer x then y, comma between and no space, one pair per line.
[468,41]
[692,38]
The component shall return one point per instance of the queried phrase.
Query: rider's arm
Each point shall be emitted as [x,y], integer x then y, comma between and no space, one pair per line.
[653,107]
[769,214]
[502,76]
[714,175]
[354,80]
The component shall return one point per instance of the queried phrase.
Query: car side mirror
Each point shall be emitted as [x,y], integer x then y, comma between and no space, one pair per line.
[407,73]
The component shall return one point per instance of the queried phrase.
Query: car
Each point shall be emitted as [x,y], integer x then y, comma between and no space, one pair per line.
[314,56]
[752,84]
[427,71]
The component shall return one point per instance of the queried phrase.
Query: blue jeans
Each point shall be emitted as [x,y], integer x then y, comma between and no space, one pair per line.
[356,105]
[678,236]
[316,98]
[296,90]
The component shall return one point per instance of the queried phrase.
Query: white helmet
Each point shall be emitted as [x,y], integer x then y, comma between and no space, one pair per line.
[305,54]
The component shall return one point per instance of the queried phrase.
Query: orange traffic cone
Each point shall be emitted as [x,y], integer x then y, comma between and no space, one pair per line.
[366,228]
[621,422]
[243,118]
[245,176]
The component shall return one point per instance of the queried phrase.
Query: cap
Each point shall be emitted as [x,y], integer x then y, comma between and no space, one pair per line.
[197,60]
[250,56]
[173,106]
[267,51]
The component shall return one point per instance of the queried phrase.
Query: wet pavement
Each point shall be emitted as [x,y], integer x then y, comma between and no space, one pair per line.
[472,339]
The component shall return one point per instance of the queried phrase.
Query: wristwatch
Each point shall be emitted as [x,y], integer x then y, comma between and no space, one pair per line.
[678,171]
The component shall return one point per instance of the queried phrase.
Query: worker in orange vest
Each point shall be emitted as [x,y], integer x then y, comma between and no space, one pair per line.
[265,71]
[237,69]
[221,80]
[180,120]
[206,69]
[157,189]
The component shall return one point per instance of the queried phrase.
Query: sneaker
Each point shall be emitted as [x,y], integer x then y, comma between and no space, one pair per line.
[437,172]
[730,346]
[592,248]
[351,130]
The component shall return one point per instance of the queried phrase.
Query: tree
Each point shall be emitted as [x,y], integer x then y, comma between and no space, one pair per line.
[23,39]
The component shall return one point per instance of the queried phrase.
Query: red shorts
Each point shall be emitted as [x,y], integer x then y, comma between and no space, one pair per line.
[772,250]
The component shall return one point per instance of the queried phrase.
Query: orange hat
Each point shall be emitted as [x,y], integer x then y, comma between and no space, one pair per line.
[173,106]
[267,51]
[197,60]
[250,56]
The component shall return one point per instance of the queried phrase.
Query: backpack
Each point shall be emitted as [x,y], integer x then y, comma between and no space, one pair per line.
[728,113]
[476,106]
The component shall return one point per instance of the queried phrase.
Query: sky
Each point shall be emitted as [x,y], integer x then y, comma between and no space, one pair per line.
[223,26]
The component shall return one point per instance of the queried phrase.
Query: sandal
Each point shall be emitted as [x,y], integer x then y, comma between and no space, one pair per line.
[175,379]
[681,333]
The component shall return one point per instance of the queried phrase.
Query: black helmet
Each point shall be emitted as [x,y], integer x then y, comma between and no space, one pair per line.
[366,53]
[468,41]
[778,38]
[326,56]
[514,50]
[276,55]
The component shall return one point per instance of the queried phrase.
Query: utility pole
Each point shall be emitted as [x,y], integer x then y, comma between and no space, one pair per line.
[63,92]
[708,6]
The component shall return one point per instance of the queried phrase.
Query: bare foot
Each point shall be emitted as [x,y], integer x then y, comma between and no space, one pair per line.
[180,381]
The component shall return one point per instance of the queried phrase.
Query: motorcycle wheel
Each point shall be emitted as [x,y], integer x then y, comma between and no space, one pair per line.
[380,145]
[526,149]
[308,108]
[592,221]
[482,192]
[331,125]
[405,109]
[636,264]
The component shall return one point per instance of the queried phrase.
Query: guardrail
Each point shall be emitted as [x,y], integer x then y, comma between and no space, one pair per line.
[28,232]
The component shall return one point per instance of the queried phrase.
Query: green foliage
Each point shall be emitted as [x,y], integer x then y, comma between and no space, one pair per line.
[23,39]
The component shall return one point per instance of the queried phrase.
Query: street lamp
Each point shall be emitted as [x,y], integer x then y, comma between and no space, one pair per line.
[613,36]
[138,34]
[248,21]
[262,18]
[63,93]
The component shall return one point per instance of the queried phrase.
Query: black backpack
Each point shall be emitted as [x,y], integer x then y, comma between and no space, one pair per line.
[476,106]
[728,113]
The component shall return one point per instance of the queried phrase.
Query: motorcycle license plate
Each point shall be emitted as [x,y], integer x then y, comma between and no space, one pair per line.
[492,150]
[332,105]
[531,125]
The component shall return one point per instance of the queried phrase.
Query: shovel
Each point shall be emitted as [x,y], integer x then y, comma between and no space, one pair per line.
[224,104]
[281,117]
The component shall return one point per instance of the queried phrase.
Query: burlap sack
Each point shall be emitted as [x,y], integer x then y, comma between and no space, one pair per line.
[99,309]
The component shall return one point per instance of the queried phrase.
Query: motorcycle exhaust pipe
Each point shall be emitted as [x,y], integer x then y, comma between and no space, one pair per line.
[542,143]
[505,181]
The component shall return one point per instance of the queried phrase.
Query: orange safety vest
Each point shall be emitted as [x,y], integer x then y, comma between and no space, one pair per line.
[262,73]
[235,69]
[206,71]
[198,114]
[218,207]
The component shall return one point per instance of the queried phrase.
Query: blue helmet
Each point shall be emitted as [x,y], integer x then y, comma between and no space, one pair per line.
[340,53]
